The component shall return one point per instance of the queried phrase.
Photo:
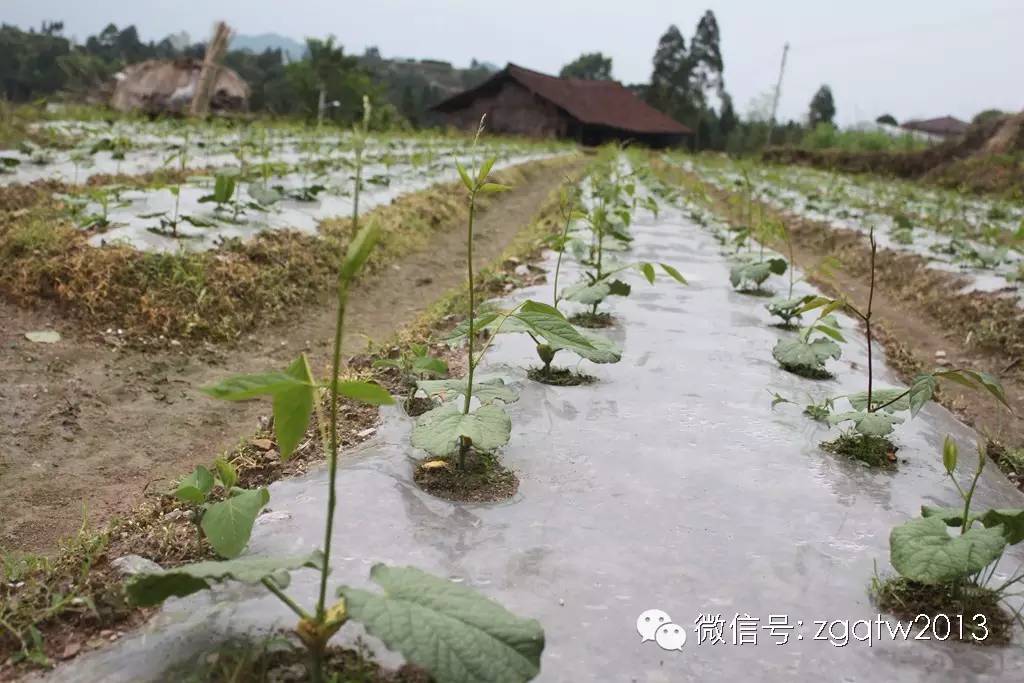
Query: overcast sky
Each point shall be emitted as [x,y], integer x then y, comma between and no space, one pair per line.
[911,58]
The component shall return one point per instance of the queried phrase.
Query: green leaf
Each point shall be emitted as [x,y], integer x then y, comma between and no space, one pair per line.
[988,382]
[880,397]
[464,175]
[452,631]
[264,195]
[491,188]
[228,524]
[618,288]
[1010,520]
[752,275]
[226,472]
[545,321]
[673,273]
[485,169]
[147,590]
[949,452]
[604,349]
[481,320]
[429,365]
[877,424]
[796,353]
[951,516]
[359,250]
[785,308]
[245,387]
[365,392]
[869,424]
[587,293]
[486,390]
[648,270]
[828,305]
[196,486]
[777,266]
[922,550]
[197,221]
[829,331]
[921,391]
[438,431]
[293,407]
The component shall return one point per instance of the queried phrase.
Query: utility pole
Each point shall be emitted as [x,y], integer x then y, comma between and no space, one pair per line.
[778,91]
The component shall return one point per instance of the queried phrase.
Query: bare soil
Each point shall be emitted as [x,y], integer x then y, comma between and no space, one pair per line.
[483,479]
[988,158]
[88,424]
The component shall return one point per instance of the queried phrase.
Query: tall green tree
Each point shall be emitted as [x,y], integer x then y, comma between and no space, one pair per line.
[823,107]
[326,61]
[728,120]
[592,66]
[29,61]
[706,57]
[670,76]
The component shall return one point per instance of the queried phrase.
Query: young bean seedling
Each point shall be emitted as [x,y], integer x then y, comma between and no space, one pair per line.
[415,607]
[226,524]
[456,429]
[955,575]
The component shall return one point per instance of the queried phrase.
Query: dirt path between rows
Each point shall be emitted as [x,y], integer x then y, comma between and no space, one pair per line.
[86,427]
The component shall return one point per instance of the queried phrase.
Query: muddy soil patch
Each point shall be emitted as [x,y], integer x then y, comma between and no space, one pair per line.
[959,604]
[560,377]
[592,320]
[481,479]
[91,419]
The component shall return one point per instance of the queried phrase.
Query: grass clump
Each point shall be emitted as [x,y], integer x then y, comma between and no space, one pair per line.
[1009,460]
[975,612]
[559,377]
[874,451]
[592,320]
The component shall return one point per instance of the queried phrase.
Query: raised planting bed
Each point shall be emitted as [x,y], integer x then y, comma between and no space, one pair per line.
[669,484]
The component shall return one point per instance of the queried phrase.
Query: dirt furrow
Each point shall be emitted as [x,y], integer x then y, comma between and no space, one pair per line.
[86,426]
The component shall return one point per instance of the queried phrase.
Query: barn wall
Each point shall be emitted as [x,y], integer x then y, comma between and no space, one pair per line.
[512,110]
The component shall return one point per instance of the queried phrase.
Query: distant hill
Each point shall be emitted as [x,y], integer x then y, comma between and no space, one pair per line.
[415,85]
[294,49]
[411,85]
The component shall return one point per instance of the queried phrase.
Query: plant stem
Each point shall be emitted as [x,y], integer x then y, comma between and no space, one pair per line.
[970,492]
[332,428]
[789,245]
[317,671]
[283,597]
[599,225]
[561,250]
[332,439]
[463,442]
[867,317]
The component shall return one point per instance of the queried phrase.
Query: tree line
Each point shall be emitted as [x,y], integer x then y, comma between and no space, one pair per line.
[40,63]
[687,82]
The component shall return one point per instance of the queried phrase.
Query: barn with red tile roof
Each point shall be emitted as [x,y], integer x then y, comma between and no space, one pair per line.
[519,101]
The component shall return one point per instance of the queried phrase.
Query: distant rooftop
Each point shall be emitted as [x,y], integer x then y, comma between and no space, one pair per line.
[944,126]
[600,103]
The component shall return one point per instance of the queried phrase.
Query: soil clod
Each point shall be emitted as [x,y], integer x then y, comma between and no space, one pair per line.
[483,479]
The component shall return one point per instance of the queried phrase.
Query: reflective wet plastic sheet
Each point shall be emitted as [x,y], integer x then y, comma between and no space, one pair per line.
[670,484]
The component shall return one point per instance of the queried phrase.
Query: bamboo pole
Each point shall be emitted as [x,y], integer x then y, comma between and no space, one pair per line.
[211,67]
